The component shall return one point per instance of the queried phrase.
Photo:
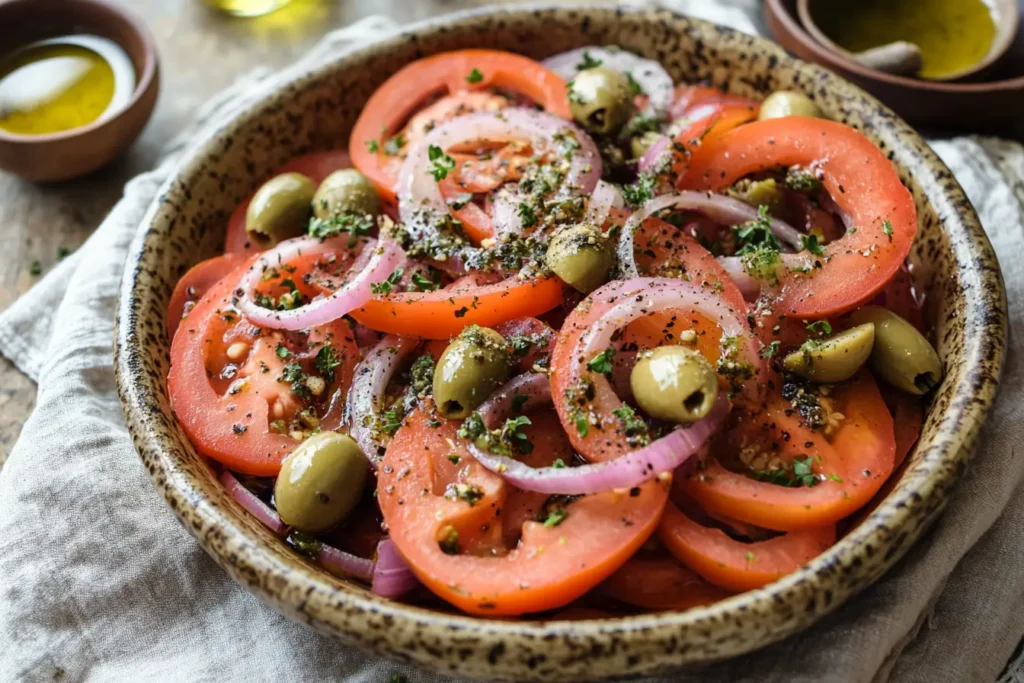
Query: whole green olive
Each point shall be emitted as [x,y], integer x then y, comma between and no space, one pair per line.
[581,256]
[475,364]
[280,208]
[788,103]
[759,193]
[639,144]
[674,383]
[901,355]
[345,191]
[601,100]
[321,482]
[835,359]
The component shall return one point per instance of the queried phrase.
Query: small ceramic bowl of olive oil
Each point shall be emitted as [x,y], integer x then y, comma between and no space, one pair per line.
[78,82]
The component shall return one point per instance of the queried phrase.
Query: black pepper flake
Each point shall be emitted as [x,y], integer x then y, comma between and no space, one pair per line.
[239,429]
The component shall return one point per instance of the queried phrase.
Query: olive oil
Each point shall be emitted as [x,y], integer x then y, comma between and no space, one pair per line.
[953,34]
[61,84]
[247,8]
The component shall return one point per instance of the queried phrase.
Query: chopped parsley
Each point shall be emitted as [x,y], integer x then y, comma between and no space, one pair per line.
[588,62]
[422,284]
[326,361]
[887,229]
[641,191]
[353,224]
[393,147]
[634,87]
[812,244]
[554,511]
[558,464]
[449,541]
[518,401]
[820,328]
[802,180]
[602,362]
[390,422]
[555,517]
[512,433]
[35,269]
[62,253]
[421,375]
[472,427]
[800,474]
[388,284]
[474,76]
[442,163]
[769,350]
[756,234]
[373,146]
[762,263]
[465,492]
[527,214]
[282,351]
[633,425]
[582,428]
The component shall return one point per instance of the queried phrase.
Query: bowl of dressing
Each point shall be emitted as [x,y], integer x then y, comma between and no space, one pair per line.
[78,82]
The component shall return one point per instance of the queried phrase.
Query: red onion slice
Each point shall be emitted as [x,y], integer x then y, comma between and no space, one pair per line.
[346,564]
[748,285]
[626,471]
[605,197]
[651,76]
[369,382]
[652,157]
[719,208]
[420,198]
[385,257]
[392,577]
[252,504]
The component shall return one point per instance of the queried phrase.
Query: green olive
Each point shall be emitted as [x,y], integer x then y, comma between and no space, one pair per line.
[674,383]
[835,359]
[601,100]
[759,193]
[788,103]
[582,256]
[639,144]
[902,356]
[280,208]
[346,191]
[321,482]
[474,365]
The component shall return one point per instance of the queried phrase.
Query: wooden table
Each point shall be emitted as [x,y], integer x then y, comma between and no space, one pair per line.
[201,51]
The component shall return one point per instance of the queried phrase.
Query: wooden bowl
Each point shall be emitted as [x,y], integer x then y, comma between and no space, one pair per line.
[72,153]
[992,105]
[315,110]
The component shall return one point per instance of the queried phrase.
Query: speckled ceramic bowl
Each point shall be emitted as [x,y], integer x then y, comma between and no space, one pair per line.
[955,262]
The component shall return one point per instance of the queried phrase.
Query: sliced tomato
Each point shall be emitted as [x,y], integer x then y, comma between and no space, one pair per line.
[660,582]
[195,283]
[229,387]
[394,102]
[442,314]
[735,565]
[711,122]
[316,166]
[858,177]
[852,465]
[530,340]
[479,543]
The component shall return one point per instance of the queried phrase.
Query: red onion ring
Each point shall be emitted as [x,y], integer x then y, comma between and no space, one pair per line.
[749,286]
[346,564]
[718,207]
[252,504]
[392,577]
[626,471]
[420,198]
[651,76]
[385,257]
[652,157]
[369,381]
[605,197]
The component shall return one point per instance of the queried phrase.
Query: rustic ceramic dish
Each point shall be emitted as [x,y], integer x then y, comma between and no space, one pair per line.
[954,260]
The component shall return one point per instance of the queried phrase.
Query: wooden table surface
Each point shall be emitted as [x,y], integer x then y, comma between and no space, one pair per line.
[201,52]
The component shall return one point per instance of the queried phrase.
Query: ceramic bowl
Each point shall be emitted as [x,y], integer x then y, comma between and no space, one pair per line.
[72,153]
[315,110]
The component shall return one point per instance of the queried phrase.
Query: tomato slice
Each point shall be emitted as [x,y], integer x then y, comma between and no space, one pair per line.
[442,314]
[392,104]
[232,392]
[852,466]
[195,283]
[316,166]
[498,558]
[735,565]
[861,181]
[660,582]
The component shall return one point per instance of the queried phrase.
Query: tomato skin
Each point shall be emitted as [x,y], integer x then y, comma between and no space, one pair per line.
[394,101]
[196,282]
[855,465]
[734,565]
[234,428]
[660,583]
[858,177]
[316,166]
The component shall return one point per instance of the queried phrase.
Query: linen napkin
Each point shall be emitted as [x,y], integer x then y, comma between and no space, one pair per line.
[98,582]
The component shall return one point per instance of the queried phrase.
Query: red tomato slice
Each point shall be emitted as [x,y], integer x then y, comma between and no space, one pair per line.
[195,283]
[498,558]
[854,464]
[226,399]
[530,339]
[859,178]
[735,565]
[711,123]
[316,166]
[394,102]
[660,582]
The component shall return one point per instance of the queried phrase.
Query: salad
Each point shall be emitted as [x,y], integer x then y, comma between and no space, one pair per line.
[561,335]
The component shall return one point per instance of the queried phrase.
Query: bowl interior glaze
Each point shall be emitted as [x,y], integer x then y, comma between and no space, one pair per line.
[315,110]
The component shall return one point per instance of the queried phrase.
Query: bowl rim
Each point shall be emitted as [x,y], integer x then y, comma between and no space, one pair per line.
[836,60]
[984,353]
[143,83]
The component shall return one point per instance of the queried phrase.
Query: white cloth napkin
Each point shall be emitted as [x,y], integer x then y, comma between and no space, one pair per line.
[98,582]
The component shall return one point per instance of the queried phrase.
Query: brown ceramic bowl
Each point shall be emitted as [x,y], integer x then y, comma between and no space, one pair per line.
[315,110]
[72,153]
[990,102]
